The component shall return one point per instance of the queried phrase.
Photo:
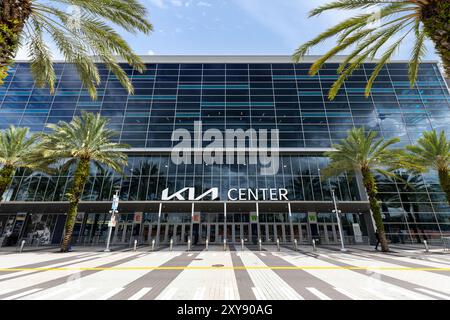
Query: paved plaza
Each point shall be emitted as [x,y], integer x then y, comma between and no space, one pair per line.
[235,274]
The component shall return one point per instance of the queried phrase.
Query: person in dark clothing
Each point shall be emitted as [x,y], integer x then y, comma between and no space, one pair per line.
[377,236]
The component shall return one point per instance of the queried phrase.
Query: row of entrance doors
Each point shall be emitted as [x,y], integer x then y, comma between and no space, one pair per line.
[234,232]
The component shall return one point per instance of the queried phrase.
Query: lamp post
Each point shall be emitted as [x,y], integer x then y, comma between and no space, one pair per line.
[113,211]
[338,220]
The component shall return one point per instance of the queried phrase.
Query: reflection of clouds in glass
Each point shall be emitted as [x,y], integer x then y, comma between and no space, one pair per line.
[397,126]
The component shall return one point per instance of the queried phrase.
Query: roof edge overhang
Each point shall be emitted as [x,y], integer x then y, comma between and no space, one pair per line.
[236,59]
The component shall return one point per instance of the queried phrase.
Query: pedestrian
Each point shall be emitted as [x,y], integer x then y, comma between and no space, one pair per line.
[377,236]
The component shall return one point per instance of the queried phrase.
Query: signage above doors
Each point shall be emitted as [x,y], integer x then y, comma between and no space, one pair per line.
[234,194]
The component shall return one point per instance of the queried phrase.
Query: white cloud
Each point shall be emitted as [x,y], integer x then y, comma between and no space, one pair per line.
[151,52]
[204,4]
[158,3]
[177,3]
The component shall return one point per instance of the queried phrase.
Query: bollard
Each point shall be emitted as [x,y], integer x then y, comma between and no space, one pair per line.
[22,245]
[171,245]
[242,244]
[295,245]
[278,244]
[207,245]
[426,245]
[260,244]
[314,245]
[189,244]
[135,245]
[153,245]
[224,244]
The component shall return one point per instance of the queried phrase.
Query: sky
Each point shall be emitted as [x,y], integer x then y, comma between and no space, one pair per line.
[233,27]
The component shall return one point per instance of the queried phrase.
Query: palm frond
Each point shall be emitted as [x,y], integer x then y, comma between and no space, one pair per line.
[41,64]
[419,51]
[349,5]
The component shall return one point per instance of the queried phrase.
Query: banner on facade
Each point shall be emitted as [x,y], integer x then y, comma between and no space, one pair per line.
[138,217]
[196,217]
[253,217]
[112,222]
[312,217]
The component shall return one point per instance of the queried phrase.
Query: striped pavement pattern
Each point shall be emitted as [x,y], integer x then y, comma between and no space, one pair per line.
[225,275]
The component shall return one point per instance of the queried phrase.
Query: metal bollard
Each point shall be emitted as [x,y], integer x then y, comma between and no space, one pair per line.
[22,245]
[224,244]
[207,245]
[426,245]
[153,245]
[295,245]
[314,245]
[260,244]
[242,244]
[135,245]
[171,245]
[278,244]
[189,244]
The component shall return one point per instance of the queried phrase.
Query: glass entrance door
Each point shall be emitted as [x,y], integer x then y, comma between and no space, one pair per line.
[301,232]
[149,232]
[123,232]
[270,232]
[328,233]
[211,231]
[239,231]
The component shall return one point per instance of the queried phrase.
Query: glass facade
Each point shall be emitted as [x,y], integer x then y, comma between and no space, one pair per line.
[170,96]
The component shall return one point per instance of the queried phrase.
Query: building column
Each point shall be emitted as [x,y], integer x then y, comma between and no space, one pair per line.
[158,229]
[192,223]
[225,221]
[257,224]
[291,226]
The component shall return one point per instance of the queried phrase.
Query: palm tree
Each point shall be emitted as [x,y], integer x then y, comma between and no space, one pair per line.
[425,19]
[84,140]
[363,152]
[432,151]
[16,151]
[82,34]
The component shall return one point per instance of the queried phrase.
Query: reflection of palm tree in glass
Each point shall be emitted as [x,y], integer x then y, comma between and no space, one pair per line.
[412,191]
[103,183]
[148,174]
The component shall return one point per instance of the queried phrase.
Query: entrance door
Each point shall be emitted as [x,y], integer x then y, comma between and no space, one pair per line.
[149,232]
[301,233]
[270,233]
[123,233]
[214,232]
[328,233]
[237,233]
[240,231]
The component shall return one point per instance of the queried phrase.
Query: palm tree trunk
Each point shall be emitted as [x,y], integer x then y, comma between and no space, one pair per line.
[444,180]
[6,176]
[371,188]
[79,180]
[13,15]
[436,19]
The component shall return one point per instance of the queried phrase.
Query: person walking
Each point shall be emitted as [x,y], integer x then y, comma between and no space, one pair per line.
[377,236]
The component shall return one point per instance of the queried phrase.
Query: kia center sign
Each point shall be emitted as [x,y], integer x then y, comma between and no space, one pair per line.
[234,194]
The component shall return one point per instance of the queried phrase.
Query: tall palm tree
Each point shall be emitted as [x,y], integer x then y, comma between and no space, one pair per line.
[83,141]
[425,19]
[363,152]
[432,151]
[16,151]
[82,33]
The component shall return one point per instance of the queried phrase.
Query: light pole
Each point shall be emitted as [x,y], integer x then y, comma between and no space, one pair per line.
[113,211]
[338,220]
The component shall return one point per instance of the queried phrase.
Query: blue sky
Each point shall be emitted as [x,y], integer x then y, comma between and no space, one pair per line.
[236,27]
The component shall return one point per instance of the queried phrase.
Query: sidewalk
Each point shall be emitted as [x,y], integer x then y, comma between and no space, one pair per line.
[394,248]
